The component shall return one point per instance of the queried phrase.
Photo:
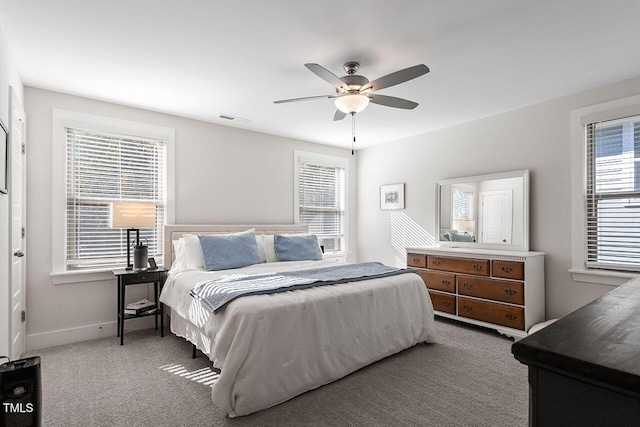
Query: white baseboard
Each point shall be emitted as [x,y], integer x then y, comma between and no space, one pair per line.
[84,333]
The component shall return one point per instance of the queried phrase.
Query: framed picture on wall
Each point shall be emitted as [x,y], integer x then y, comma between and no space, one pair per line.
[392,196]
[4,157]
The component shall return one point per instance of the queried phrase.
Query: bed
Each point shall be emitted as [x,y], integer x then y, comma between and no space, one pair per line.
[271,348]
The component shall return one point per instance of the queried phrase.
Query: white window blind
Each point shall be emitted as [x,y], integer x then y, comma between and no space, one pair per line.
[613,194]
[321,191]
[103,168]
[461,204]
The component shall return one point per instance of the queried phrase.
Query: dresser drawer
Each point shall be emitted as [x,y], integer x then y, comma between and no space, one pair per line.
[508,269]
[443,302]
[417,260]
[440,281]
[499,290]
[479,267]
[492,312]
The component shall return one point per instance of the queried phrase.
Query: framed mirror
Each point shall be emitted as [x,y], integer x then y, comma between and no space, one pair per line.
[485,211]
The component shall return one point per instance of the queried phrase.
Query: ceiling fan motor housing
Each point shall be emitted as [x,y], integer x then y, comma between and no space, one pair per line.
[354,81]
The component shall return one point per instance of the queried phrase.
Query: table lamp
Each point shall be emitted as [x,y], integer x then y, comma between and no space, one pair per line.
[132,216]
[466,225]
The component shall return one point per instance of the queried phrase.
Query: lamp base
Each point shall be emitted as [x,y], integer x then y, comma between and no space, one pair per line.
[129,230]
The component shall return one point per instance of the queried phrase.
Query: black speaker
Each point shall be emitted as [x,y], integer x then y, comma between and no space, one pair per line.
[21,393]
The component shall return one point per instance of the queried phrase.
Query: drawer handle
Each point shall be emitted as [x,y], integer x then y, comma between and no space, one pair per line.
[435,262]
[510,292]
[477,267]
[510,316]
[446,282]
[507,269]
[416,260]
[467,285]
[447,303]
[466,307]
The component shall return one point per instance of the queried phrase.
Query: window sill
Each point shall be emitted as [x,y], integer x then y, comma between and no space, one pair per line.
[603,277]
[78,276]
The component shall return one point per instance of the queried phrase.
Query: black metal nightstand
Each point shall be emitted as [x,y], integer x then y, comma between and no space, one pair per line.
[131,277]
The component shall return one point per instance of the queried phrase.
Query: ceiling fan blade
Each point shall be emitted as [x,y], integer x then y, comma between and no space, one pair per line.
[392,101]
[328,77]
[396,78]
[339,115]
[306,98]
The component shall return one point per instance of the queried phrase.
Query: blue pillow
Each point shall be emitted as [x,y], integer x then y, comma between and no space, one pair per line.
[229,250]
[297,248]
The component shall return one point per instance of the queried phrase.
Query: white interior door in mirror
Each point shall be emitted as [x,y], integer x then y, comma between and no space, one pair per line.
[496,216]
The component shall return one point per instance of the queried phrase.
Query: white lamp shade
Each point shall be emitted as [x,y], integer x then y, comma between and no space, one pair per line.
[467,226]
[351,103]
[133,214]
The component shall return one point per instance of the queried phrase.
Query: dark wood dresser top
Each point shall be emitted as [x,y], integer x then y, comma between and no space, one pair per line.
[598,343]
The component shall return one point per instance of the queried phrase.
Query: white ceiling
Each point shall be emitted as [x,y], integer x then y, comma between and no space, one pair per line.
[201,58]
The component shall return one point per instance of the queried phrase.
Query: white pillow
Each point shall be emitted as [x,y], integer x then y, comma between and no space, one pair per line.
[179,261]
[261,251]
[269,248]
[193,249]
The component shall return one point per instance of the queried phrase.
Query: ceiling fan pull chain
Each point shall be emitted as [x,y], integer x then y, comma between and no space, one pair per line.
[353,131]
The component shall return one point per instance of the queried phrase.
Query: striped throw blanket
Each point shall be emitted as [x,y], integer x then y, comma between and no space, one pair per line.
[216,294]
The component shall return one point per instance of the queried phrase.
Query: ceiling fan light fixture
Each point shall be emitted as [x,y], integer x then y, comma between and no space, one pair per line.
[349,104]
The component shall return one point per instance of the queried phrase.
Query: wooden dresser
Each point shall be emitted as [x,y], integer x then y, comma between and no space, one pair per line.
[502,290]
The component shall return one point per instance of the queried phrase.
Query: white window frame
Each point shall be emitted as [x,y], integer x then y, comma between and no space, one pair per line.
[325,160]
[61,119]
[612,110]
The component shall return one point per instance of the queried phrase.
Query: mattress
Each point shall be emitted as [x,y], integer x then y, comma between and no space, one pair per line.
[271,348]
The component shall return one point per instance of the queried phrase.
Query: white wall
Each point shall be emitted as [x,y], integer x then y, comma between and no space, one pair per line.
[535,138]
[9,77]
[223,175]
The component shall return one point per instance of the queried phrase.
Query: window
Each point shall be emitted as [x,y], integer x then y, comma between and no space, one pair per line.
[613,194]
[461,205]
[320,183]
[103,168]
[605,193]
[96,160]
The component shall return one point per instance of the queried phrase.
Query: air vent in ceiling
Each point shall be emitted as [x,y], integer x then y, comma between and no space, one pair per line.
[234,118]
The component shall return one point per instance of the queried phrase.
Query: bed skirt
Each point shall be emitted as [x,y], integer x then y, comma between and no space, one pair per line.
[190,332]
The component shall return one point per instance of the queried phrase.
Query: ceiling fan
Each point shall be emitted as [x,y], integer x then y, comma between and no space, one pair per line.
[354,92]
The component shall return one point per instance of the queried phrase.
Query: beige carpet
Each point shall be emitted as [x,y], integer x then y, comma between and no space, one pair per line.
[468,378]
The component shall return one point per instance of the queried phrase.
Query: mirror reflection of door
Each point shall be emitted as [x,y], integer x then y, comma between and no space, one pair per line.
[496,216]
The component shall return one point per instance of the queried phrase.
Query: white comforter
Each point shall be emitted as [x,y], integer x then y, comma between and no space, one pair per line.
[271,348]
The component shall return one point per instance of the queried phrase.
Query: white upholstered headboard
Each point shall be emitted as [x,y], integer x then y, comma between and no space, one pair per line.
[174,232]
